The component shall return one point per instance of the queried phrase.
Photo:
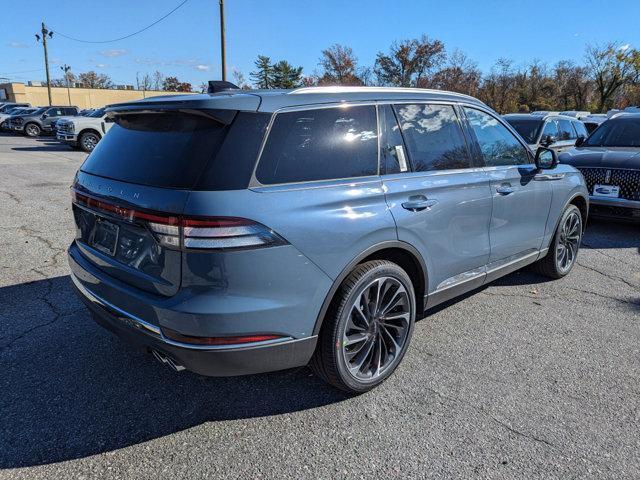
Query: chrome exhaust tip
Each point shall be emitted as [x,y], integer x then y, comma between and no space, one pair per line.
[167,360]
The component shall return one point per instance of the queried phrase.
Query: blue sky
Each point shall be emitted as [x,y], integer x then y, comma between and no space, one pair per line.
[186,44]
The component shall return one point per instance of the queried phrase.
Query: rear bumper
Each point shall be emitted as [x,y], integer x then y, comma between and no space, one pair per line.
[210,361]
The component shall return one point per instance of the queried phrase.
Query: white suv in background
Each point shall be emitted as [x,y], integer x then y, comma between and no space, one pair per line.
[83,132]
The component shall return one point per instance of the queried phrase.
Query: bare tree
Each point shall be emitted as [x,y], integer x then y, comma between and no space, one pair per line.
[239,80]
[157,80]
[611,67]
[409,62]
[92,79]
[339,66]
[498,88]
[459,74]
[144,82]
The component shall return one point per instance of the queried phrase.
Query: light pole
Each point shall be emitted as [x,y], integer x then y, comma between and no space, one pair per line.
[45,32]
[222,42]
[65,68]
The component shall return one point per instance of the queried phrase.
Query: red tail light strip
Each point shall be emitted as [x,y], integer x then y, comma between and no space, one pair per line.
[178,337]
[123,212]
[172,231]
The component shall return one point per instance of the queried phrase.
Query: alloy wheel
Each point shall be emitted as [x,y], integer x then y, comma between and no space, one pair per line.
[568,243]
[377,328]
[89,141]
[33,130]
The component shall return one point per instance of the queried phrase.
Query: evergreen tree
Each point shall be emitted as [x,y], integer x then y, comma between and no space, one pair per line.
[263,76]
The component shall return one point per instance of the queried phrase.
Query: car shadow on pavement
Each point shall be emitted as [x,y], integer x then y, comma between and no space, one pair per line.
[45,147]
[604,233]
[70,389]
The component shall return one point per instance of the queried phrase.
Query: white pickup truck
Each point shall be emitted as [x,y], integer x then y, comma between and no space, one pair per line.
[83,132]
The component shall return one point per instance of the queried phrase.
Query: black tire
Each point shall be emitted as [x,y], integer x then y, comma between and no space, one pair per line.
[550,266]
[32,130]
[88,141]
[391,341]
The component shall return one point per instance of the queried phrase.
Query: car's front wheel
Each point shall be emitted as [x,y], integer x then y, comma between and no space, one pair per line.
[367,329]
[88,141]
[563,250]
[32,129]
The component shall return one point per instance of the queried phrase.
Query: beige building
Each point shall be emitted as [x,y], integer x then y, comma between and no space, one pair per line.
[80,97]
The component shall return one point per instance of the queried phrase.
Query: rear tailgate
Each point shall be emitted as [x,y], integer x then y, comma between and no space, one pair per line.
[133,187]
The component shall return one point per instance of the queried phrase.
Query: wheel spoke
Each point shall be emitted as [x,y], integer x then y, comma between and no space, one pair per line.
[377,328]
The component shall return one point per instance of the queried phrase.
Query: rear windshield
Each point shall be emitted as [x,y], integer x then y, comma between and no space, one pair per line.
[167,150]
[616,133]
[528,129]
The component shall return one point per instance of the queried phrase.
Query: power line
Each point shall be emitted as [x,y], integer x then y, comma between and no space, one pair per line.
[126,36]
[24,71]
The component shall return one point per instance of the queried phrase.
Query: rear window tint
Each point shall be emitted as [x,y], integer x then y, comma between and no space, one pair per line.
[322,144]
[162,150]
[232,167]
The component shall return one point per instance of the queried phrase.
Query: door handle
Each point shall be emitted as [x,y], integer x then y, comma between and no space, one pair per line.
[416,204]
[505,190]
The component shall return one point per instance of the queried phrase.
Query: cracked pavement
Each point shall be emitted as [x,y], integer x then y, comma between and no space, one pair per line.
[525,378]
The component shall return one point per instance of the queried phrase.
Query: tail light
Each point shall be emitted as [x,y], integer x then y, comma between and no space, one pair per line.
[193,233]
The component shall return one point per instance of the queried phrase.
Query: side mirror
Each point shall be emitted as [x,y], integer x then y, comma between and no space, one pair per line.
[546,159]
[44,115]
[109,119]
[548,140]
[580,140]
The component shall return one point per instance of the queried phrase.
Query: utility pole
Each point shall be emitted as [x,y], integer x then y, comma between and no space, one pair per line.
[46,33]
[65,68]
[222,42]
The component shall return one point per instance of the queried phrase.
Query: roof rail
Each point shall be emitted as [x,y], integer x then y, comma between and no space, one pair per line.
[345,89]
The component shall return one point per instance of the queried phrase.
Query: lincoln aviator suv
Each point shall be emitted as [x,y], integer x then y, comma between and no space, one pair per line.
[250,231]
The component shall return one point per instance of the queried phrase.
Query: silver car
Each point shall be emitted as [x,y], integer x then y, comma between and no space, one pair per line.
[249,231]
[557,132]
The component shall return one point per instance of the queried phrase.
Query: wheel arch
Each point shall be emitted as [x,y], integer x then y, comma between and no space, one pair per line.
[401,253]
[87,130]
[580,201]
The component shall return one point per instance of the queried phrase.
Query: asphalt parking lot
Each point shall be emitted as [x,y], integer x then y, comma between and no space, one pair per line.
[525,378]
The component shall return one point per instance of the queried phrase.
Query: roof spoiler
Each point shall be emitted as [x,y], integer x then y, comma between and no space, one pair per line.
[216,86]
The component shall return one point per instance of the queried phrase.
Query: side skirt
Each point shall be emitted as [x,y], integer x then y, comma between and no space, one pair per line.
[467,281]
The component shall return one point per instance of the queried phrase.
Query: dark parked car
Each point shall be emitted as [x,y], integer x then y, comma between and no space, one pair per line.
[243,232]
[15,124]
[556,132]
[4,117]
[42,121]
[610,162]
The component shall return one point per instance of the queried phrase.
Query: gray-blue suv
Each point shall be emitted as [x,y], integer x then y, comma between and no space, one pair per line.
[250,231]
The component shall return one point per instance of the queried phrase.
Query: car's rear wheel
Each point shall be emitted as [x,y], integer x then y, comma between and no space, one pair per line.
[563,250]
[32,129]
[88,141]
[368,328]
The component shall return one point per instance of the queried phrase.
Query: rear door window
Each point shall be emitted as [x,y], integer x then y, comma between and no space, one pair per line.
[498,145]
[581,130]
[566,131]
[320,144]
[54,112]
[162,150]
[550,129]
[433,137]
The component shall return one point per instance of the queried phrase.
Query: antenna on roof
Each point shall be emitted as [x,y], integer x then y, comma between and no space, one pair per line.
[216,86]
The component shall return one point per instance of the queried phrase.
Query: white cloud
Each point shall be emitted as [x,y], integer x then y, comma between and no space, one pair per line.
[203,68]
[114,52]
[624,47]
[17,45]
[101,65]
